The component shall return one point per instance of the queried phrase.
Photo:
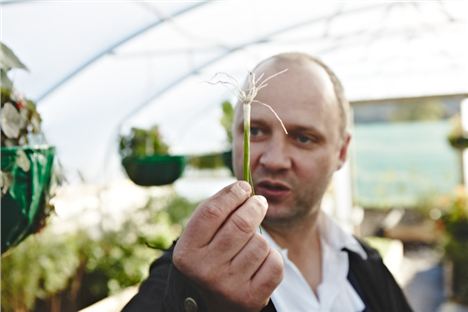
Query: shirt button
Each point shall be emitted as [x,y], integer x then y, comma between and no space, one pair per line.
[190,305]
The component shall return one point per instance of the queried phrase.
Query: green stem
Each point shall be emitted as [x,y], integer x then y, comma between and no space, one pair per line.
[247,173]
[246,107]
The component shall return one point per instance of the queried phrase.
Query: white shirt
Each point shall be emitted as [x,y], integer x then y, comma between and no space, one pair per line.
[335,292]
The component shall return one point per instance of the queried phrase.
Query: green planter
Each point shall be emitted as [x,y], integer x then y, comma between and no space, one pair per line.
[24,205]
[154,170]
[227,159]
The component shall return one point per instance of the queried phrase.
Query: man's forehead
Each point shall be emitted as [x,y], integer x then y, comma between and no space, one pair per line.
[303,71]
[301,96]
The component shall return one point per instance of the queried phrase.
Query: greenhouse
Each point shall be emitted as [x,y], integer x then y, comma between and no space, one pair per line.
[117,123]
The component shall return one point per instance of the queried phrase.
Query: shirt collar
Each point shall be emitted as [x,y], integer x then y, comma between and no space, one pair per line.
[332,234]
[337,238]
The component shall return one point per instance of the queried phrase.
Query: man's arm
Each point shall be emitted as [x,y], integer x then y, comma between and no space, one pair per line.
[165,289]
[220,261]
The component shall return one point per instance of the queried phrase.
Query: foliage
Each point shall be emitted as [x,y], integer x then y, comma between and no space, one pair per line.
[19,117]
[207,161]
[414,109]
[83,268]
[457,137]
[40,266]
[143,142]
[455,216]
[227,118]
[8,61]
[21,126]
[454,223]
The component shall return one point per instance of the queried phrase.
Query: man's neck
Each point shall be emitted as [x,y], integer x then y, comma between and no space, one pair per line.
[302,240]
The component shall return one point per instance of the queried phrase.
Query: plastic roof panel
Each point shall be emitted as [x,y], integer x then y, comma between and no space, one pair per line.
[63,36]
[98,68]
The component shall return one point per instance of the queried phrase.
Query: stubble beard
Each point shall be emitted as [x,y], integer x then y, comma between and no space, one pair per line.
[304,206]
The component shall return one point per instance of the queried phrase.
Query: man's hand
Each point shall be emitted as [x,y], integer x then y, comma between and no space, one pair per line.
[222,252]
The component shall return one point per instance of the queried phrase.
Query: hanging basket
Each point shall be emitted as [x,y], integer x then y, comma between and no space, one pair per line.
[458,142]
[227,160]
[154,170]
[24,205]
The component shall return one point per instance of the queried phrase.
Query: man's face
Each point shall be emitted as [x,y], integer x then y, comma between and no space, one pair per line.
[292,170]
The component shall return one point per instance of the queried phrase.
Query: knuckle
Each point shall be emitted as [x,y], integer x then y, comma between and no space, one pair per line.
[234,193]
[276,266]
[177,256]
[275,273]
[232,197]
[211,211]
[261,245]
[178,259]
[178,250]
[223,243]
[260,201]
[242,223]
[258,205]
[251,301]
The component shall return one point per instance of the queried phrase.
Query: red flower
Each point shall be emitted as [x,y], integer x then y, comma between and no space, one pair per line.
[20,104]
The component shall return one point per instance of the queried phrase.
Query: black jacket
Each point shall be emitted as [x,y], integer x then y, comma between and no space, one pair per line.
[166,289]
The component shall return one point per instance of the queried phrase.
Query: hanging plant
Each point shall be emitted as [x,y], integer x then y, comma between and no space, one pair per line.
[26,169]
[457,137]
[145,158]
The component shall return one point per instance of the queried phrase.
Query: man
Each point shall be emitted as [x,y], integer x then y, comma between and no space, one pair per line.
[301,261]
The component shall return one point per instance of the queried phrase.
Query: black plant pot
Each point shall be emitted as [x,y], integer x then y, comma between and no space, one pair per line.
[154,170]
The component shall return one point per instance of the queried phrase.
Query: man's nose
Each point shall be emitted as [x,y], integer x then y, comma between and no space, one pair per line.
[275,156]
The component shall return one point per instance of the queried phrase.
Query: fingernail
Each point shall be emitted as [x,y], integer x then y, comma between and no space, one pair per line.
[244,186]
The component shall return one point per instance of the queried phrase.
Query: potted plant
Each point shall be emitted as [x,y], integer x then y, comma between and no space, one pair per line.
[454,223]
[26,168]
[145,157]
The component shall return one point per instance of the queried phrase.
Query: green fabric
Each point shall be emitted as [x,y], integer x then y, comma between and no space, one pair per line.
[23,206]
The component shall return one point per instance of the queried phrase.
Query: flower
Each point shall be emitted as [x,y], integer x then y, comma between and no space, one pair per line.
[12,121]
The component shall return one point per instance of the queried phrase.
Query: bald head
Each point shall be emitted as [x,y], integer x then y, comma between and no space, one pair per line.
[307,65]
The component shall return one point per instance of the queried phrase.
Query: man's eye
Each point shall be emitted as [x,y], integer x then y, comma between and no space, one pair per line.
[255,131]
[303,139]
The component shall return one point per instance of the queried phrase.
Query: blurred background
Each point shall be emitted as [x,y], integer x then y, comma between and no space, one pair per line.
[111,135]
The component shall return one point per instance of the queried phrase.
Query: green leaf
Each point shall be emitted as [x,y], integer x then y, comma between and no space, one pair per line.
[8,59]
[5,82]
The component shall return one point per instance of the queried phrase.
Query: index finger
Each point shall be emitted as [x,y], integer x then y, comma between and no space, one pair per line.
[213,212]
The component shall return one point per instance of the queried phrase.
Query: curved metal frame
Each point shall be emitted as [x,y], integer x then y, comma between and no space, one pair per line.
[229,51]
[113,46]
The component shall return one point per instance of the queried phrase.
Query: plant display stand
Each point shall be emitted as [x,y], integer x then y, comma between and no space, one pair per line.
[26,176]
[154,170]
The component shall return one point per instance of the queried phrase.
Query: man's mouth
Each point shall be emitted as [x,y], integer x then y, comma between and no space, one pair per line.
[273,190]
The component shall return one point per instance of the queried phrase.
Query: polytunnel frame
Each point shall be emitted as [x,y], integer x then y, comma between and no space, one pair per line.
[259,40]
[229,51]
[264,38]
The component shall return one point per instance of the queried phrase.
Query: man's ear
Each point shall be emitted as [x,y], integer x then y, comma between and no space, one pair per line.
[343,152]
